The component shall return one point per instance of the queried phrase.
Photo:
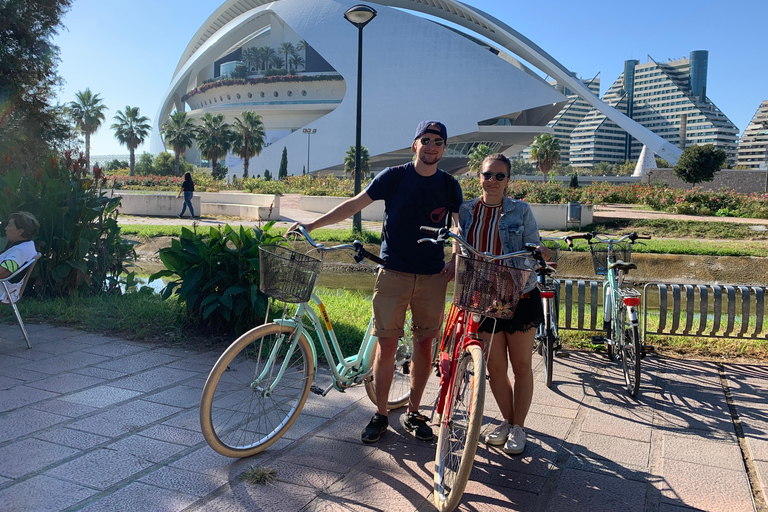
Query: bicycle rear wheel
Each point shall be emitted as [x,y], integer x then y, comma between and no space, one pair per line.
[400,389]
[630,352]
[459,429]
[256,390]
[548,343]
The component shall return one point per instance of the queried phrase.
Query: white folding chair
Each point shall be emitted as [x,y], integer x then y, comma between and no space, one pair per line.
[8,299]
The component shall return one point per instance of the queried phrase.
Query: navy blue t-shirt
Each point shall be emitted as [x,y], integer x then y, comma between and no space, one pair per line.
[413,201]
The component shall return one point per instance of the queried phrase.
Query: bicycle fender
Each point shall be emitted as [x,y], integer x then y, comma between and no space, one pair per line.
[445,377]
[292,324]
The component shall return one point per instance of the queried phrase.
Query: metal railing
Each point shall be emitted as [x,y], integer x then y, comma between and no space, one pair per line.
[707,311]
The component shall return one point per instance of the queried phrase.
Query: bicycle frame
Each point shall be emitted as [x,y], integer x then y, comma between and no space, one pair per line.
[461,339]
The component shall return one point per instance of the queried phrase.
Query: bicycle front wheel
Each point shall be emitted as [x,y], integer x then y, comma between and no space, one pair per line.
[548,343]
[256,390]
[459,429]
[630,352]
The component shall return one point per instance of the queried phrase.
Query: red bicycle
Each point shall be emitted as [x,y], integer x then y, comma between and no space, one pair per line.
[483,286]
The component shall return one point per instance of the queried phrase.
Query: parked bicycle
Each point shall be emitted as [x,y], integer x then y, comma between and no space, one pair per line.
[611,258]
[547,335]
[483,286]
[259,385]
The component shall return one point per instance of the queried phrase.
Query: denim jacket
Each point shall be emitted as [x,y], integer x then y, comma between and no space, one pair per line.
[517,227]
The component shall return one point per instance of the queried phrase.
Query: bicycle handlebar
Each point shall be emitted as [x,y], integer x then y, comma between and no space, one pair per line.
[593,235]
[357,246]
[443,234]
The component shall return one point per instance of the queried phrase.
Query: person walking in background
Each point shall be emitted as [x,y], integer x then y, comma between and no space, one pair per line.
[498,224]
[188,188]
[22,227]
[414,275]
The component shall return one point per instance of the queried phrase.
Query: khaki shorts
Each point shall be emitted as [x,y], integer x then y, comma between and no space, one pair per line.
[395,291]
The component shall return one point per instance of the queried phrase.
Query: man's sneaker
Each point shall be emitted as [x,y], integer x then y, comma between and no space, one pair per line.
[377,426]
[417,423]
[499,436]
[515,441]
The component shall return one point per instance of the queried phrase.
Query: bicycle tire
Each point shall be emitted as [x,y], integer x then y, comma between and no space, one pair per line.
[548,344]
[612,332]
[237,420]
[460,431]
[400,389]
[630,353]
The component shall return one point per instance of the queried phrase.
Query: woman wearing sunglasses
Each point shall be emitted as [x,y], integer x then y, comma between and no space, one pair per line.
[498,224]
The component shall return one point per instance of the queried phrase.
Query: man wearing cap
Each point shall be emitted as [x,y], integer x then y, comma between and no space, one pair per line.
[414,275]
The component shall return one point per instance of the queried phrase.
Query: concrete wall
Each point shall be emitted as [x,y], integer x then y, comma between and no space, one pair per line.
[548,216]
[155,205]
[248,206]
[743,181]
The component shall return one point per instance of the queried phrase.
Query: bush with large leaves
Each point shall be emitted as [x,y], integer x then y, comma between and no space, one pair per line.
[79,238]
[217,275]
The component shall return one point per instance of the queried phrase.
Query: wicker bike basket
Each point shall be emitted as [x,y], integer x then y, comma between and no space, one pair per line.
[599,252]
[287,275]
[488,288]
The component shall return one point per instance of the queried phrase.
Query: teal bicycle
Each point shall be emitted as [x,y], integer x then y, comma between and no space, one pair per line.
[259,385]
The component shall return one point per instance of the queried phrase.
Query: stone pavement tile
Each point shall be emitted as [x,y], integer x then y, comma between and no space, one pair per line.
[609,468]
[99,373]
[146,448]
[42,494]
[699,374]
[761,467]
[746,378]
[566,397]
[63,407]
[687,407]
[558,412]
[117,348]
[581,491]
[327,454]
[140,496]
[73,438]
[351,424]
[21,422]
[197,362]
[757,444]
[537,459]
[59,347]
[617,449]
[100,468]
[24,375]
[188,482]
[137,362]
[629,423]
[206,461]
[489,498]
[30,455]
[275,497]
[183,396]
[503,477]
[299,474]
[21,396]
[537,425]
[66,382]
[63,363]
[95,339]
[153,379]
[9,382]
[698,450]
[189,420]
[125,418]
[174,435]
[705,487]
[101,396]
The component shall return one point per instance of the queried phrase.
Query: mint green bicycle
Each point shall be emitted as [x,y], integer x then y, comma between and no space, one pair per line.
[259,385]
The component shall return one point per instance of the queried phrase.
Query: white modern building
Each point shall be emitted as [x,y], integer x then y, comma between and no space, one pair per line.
[668,98]
[414,68]
[753,146]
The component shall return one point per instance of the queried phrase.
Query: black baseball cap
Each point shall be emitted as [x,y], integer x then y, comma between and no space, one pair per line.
[434,127]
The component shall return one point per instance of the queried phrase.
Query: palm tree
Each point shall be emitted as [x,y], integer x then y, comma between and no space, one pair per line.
[476,157]
[296,61]
[249,138]
[268,55]
[545,151]
[179,132]
[301,45]
[131,129]
[285,49]
[349,160]
[251,57]
[88,113]
[275,61]
[214,138]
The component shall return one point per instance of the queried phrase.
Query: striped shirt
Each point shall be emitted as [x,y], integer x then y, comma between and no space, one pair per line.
[483,234]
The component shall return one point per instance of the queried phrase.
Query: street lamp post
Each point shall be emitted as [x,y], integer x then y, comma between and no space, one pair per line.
[359,16]
[309,132]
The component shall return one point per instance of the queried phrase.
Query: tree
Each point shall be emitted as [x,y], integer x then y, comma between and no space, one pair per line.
[520,167]
[240,71]
[179,133]
[30,125]
[268,55]
[699,163]
[625,169]
[282,173]
[88,113]
[476,157]
[145,165]
[131,129]
[286,49]
[349,160]
[545,151]
[214,138]
[267,175]
[252,58]
[249,138]
[165,165]
[296,61]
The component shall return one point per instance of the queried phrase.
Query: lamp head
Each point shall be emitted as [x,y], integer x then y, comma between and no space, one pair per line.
[360,15]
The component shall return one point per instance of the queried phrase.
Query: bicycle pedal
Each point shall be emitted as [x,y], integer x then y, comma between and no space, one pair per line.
[317,390]
[563,355]
[598,340]
[649,348]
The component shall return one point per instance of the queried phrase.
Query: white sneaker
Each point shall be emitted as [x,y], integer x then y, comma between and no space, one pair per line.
[498,436]
[515,441]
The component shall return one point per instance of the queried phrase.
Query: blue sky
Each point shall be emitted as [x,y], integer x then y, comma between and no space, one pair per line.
[127,51]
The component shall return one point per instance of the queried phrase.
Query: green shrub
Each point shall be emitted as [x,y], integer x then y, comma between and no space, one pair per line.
[217,275]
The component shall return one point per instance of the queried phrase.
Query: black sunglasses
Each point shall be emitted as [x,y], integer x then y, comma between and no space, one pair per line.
[426,140]
[500,176]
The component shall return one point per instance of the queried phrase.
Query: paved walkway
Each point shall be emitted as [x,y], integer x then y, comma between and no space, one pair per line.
[96,423]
